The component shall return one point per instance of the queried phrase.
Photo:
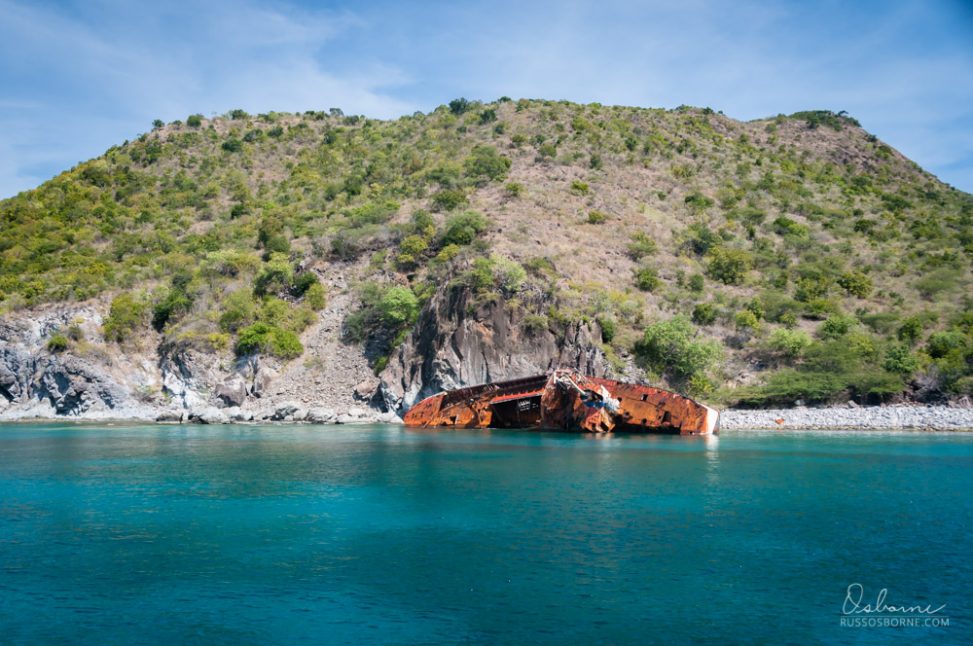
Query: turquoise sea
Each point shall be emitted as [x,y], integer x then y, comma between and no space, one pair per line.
[384,535]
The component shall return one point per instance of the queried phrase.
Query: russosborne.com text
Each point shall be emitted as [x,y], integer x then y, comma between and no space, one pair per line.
[895,622]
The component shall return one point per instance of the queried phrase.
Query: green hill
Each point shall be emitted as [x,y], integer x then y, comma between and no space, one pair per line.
[794,258]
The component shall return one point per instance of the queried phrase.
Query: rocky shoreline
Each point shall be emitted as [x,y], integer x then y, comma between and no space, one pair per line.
[289,412]
[149,380]
[902,417]
[875,418]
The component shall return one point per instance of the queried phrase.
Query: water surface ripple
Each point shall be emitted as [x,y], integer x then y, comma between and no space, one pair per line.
[379,534]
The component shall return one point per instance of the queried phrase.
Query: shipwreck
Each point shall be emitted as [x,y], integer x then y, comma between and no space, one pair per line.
[566,400]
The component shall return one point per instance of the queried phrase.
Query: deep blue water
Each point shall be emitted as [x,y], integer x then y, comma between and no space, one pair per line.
[370,535]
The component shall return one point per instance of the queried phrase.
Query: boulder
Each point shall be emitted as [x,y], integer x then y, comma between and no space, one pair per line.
[366,389]
[237,414]
[208,415]
[263,378]
[289,412]
[321,416]
[233,391]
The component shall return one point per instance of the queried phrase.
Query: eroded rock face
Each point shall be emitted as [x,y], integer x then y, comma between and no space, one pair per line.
[233,391]
[194,379]
[459,343]
[72,386]
[37,382]
[187,377]
[456,342]
[16,372]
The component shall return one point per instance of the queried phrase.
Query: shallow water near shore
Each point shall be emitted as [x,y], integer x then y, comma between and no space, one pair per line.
[381,534]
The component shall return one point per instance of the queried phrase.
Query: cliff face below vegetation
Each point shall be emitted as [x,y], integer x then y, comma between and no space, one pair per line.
[92,382]
[458,342]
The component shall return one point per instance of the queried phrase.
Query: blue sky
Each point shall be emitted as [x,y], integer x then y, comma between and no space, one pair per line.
[78,77]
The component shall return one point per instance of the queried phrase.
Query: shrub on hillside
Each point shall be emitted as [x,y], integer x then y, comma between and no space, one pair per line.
[856,283]
[479,278]
[836,326]
[937,282]
[509,274]
[232,145]
[176,302]
[816,118]
[459,106]
[385,312]
[462,229]
[546,151]
[486,164]
[696,283]
[788,386]
[316,296]
[596,217]
[275,276]
[398,306]
[705,314]
[238,309]
[303,282]
[699,239]
[579,187]
[641,246]
[698,202]
[411,249]
[534,324]
[125,315]
[911,329]
[265,338]
[647,279]
[785,226]
[746,321]
[728,265]
[900,360]
[789,343]
[376,212]
[608,328]
[57,343]
[671,349]
[943,343]
[448,199]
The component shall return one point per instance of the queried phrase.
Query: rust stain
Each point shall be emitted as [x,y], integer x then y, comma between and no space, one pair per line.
[566,400]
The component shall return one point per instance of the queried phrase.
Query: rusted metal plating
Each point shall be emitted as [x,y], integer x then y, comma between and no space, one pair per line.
[566,400]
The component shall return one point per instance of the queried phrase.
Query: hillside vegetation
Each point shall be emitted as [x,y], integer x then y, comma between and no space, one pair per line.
[795,258]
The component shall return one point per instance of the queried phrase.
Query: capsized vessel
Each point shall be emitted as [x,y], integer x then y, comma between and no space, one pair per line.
[566,400]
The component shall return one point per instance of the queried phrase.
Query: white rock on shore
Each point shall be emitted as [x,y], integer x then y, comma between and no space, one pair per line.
[902,417]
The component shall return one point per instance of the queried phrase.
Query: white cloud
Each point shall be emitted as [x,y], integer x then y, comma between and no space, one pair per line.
[99,75]
[97,81]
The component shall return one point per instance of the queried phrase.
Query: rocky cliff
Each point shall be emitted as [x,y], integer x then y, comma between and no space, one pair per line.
[459,342]
[92,382]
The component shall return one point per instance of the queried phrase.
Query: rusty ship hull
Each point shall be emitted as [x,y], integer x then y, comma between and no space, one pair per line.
[569,401]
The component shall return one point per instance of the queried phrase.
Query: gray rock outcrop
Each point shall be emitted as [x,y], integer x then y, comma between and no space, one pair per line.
[459,342]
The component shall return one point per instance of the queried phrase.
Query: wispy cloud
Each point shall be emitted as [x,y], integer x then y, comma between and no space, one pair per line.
[79,81]
[80,77]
